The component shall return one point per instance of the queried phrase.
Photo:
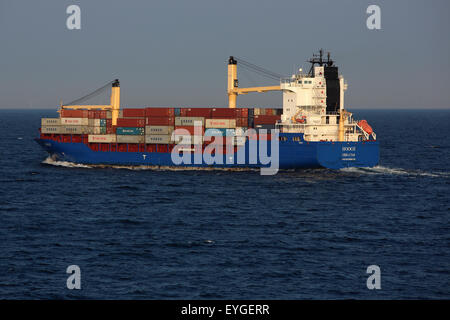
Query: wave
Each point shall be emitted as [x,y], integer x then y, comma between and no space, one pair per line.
[396,171]
[377,170]
[66,164]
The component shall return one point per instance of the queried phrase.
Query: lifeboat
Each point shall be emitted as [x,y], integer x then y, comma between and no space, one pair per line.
[301,120]
[365,126]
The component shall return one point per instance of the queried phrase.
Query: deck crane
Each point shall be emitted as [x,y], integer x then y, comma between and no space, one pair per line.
[234,91]
[114,106]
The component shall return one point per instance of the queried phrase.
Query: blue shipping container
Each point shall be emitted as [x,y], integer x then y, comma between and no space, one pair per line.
[136,131]
[220,132]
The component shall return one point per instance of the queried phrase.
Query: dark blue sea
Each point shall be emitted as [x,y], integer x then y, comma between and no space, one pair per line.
[307,234]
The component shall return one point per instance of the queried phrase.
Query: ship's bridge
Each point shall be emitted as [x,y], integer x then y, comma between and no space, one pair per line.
[310,93]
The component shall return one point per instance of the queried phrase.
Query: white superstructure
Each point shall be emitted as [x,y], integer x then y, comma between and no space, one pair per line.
[305,106]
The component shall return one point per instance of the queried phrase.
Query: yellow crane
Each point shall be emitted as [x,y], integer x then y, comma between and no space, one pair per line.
[234,91]
[114,106]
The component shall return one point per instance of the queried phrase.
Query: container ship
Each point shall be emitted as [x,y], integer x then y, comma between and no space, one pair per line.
[311,130]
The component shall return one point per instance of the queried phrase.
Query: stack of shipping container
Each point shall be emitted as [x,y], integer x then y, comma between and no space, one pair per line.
[131,126]
[154,126]
[78,122]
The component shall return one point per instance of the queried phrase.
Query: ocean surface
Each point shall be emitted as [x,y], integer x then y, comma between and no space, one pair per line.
[154,234]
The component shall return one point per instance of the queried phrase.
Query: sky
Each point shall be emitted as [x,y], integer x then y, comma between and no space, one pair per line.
[174,53]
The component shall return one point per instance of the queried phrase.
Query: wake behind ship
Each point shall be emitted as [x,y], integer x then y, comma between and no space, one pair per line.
[313,129]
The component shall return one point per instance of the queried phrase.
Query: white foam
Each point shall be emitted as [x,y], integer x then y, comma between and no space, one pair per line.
[66,164]
[395,171]
[172,168]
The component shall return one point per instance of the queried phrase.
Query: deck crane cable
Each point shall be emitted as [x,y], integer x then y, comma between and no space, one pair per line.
[91,95]
[259,70]
[248,76]
[243,67]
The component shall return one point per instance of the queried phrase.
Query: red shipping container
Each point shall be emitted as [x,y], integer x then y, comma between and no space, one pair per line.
[108,123]
[130,122]
[266,119]
[104,147]
[68,113]
[133,147]
[241,122]
[96,114]
[223,113]
[159,112]
[196,112]
[268,111]
[93,146]
[133,113]
[77,138]
[122,147]
[161,121]
[242,112]
[191,129]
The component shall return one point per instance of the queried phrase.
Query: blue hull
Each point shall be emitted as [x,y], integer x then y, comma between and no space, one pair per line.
[292,155]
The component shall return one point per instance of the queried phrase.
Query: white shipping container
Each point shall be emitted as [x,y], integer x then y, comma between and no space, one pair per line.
[50,121]
[130,139]
[75,121]
[220,123]
[74,129]
[94,130]
[158,139]
[189,121]
[51,129]
[94,122]
[108,114]
[150,130]
[102,138]
[188,139]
